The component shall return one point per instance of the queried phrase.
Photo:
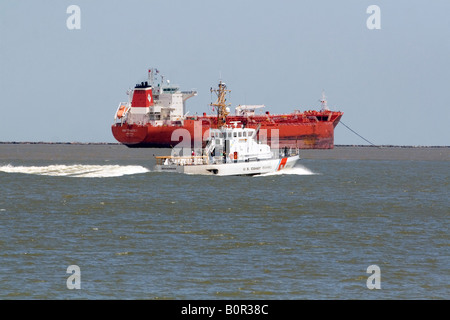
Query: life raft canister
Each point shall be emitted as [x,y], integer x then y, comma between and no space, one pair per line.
[235,155]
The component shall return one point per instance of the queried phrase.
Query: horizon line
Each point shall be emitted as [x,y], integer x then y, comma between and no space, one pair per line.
[118,143]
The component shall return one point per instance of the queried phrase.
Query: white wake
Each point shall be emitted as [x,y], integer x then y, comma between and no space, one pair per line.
[297,170]
[77,170]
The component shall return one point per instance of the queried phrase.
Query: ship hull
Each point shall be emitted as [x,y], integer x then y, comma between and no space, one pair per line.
[233,169]
[302,135]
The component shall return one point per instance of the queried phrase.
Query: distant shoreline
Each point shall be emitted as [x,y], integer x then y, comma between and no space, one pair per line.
[73,143]
[116,144]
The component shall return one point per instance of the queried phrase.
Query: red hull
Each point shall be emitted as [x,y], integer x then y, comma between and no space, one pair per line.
[307,130]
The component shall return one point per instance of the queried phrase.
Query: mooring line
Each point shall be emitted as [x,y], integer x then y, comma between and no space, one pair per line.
[358,134]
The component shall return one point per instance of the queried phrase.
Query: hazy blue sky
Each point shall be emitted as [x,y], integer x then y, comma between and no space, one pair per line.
[392,84]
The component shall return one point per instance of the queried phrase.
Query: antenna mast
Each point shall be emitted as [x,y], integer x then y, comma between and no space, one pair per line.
[220,104]
[323,102]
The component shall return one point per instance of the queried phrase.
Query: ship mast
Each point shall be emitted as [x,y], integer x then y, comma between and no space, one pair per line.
[323,102]
[220,104]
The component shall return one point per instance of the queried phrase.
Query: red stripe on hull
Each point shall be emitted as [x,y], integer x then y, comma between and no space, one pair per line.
[282,164]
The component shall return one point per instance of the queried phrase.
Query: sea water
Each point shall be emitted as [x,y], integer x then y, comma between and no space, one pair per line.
[311,232]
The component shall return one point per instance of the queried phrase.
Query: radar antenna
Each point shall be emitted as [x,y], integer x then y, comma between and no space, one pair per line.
[221,105]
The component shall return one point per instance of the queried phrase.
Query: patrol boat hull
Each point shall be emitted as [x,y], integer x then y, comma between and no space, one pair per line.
[250,168]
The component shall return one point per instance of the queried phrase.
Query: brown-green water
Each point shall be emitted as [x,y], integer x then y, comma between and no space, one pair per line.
[308,234]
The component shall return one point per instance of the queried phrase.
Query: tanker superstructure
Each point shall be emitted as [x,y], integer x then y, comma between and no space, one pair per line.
[156,109]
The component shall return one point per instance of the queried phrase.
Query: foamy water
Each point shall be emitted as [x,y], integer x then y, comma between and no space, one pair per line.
[297,170]
[77,170]
[104,171]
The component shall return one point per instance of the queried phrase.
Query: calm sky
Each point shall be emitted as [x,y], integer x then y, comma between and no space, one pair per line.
[61,84]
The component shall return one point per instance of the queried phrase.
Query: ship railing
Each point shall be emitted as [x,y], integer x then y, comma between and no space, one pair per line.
[181,161]
[189,92]
[288,152]
[219,159]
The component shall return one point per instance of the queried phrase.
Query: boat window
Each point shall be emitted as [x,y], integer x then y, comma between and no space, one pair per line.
[229,134]
[245,133]
[234,134]
[240,134]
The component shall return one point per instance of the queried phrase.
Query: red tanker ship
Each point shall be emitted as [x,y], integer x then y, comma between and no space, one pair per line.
[155,117]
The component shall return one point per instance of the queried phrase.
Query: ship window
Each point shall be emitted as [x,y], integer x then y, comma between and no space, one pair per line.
[240,134]
[229,134]
[245,133]
[234,134]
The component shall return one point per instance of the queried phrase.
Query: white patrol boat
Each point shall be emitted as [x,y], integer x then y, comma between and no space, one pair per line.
[230,150]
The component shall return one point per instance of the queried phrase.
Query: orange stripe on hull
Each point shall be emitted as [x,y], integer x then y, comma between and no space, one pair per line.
[282,164]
